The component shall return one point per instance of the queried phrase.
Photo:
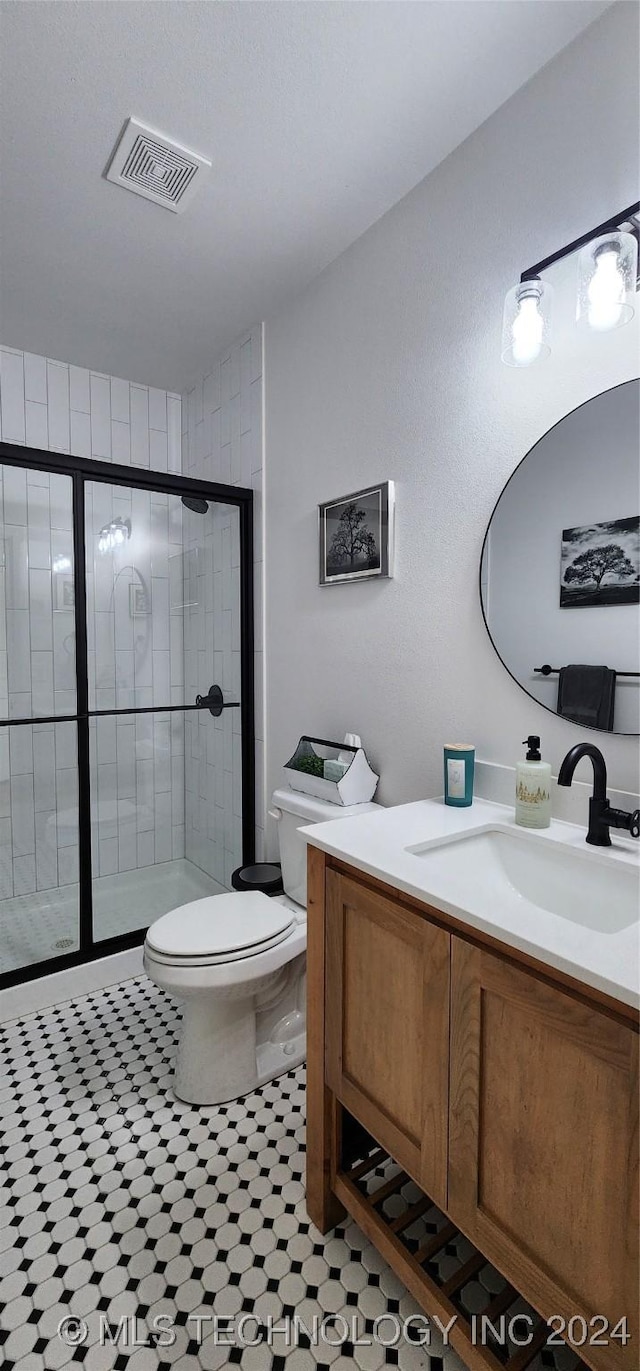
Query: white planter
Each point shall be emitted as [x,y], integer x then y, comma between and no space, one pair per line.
[356,786]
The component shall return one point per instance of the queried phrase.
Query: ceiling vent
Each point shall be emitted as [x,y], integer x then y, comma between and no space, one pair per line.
[152,165]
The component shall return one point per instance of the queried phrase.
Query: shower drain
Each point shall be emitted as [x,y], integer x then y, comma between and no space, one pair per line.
[64,942]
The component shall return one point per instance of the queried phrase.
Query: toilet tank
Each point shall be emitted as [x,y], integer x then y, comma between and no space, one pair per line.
[293,811]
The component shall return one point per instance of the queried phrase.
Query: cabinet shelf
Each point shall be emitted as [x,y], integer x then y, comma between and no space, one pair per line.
[438,1264]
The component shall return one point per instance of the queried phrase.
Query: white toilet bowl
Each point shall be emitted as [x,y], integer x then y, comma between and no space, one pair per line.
[230,959]
[237,962]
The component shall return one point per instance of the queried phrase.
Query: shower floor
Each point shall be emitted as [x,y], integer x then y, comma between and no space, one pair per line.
[45,924]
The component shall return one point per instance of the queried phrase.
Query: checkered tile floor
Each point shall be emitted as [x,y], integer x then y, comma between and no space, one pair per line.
[121,1203]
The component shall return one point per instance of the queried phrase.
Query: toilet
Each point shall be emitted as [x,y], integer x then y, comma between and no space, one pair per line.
[237,963]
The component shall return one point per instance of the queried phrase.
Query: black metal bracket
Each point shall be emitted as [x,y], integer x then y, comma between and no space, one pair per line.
[547,670]
[214,702]
[609,226]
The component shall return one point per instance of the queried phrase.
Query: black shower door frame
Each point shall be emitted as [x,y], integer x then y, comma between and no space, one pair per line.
[83,470]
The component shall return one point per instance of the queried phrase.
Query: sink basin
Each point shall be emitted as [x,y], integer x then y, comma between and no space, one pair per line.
[497,869]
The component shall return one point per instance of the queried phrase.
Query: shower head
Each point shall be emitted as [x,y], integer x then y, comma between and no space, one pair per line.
[195,503]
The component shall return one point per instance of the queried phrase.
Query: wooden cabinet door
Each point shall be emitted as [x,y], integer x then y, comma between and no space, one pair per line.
[543,1144]
[387,1025]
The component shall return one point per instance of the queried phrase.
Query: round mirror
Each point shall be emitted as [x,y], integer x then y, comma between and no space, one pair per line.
[560,567]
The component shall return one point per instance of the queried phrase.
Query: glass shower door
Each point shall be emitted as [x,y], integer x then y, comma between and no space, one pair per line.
[163,627]
[39,843]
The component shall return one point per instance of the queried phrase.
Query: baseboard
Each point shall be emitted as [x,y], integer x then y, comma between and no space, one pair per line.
[29,998]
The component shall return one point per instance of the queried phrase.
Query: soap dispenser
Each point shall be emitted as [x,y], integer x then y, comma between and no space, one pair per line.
[533,788]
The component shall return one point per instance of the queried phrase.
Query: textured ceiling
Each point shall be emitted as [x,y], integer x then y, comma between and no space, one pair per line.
[318,117]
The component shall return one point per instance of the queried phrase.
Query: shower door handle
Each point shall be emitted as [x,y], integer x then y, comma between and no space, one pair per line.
[215,702]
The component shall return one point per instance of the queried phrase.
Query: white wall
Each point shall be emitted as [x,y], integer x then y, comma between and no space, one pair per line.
[388,366]
[585,471]
[222,440]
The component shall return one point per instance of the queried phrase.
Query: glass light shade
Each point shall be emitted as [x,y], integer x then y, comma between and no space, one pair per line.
[114,534]
[607,276]
[526,323]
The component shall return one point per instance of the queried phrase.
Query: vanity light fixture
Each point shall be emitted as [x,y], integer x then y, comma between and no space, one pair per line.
[607,275]
[114,534]
[526,324]
[607,283]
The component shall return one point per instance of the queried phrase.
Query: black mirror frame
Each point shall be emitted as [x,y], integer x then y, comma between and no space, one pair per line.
[632,380]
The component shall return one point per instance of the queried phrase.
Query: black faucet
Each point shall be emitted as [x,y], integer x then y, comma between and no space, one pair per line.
[601,815]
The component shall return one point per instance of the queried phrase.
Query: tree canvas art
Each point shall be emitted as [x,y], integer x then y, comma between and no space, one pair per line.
[600,564]
[355,535]
[353,546]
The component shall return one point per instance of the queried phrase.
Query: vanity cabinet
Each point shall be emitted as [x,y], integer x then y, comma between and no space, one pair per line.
[387,1043]
[505,1091]
[543,1126]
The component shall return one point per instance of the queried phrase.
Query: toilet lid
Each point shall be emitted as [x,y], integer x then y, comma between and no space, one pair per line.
[221,926]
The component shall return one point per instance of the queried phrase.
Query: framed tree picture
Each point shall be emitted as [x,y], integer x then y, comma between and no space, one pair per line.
[600,564]
[356,535]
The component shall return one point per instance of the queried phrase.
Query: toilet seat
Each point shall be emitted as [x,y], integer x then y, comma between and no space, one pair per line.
[219,929]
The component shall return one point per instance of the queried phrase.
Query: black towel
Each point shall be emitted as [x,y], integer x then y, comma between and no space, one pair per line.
[586,694]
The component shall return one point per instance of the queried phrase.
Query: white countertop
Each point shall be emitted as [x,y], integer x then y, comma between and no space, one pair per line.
[376,844]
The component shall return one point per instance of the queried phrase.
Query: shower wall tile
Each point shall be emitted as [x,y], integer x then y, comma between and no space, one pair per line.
[80,434]
[18,652]
[174,435]
[37,427]
[12,396]
[146,849]
[44,768]
[211,391]
[58,406]
[24,875]
[158,451]
[67,866]
[21,751]
[145,793]
[100,417]
[119,400]
[66,745]
[64,702]
[108,857]
[163,834]
[42,693]
[46,850]
[66,806]
[157,409]
[79,389]
[47,404]
[35,378]
[120,442]
[127,844]
[17,566]
[39,507]
[22,816]
[139,400]
[61,511]
[5,778]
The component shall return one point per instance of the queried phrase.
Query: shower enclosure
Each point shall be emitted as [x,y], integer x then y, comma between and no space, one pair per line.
[126,702]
